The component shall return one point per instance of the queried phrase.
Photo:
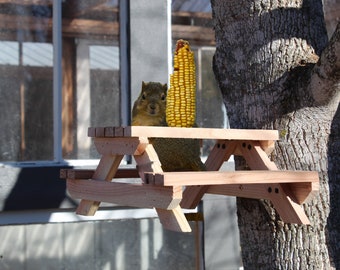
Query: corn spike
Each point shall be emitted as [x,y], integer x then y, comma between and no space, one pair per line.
[181,96]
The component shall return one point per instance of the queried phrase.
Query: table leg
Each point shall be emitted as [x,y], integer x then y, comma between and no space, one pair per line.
[173,219]
[221,152]
[107,167]
[257,159]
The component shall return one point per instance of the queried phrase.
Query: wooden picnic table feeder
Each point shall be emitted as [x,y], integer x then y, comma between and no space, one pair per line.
[169,192]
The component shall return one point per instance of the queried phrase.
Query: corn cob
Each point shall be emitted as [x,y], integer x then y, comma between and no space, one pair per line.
[181,97]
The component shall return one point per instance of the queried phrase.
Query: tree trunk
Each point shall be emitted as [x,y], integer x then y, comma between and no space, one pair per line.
[265,65]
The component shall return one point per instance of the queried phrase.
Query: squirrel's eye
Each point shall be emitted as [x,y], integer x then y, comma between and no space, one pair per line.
[162,97]
[143,96]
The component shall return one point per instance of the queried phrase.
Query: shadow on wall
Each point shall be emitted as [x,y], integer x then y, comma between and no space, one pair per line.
[35,188]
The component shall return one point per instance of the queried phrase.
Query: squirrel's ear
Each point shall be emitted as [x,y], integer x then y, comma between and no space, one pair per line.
[144,84]
[165,87]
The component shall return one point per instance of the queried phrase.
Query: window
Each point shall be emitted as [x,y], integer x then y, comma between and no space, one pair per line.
[90,77]
[96,99]
[26,82]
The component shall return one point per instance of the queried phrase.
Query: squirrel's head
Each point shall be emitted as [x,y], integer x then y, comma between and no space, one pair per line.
[149,108]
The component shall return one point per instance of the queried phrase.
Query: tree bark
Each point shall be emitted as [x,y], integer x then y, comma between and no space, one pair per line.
[268,68]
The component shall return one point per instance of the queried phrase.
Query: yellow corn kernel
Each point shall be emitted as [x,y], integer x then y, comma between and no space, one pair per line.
[181,96]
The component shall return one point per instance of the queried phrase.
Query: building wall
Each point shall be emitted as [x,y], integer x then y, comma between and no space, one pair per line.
[103,245]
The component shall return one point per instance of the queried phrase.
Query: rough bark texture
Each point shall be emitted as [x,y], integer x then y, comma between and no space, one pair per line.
[265,64]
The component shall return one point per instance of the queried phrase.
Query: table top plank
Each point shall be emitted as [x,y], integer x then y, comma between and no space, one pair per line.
[234,177]
[178,132]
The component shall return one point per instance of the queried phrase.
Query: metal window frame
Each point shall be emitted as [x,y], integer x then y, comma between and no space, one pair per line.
[57,81]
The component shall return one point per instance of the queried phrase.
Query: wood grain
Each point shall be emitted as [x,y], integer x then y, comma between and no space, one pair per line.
[136,195]
[193,133]
[236,177]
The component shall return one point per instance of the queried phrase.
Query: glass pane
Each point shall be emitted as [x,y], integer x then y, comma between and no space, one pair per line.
[209,101]
[26,81]
[210,108]
[91,65]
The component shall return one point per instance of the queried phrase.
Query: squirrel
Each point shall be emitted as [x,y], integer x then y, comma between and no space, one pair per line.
[149,108]
[174,154]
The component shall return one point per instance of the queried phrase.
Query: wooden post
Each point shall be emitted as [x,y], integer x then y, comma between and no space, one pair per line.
[68,67]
